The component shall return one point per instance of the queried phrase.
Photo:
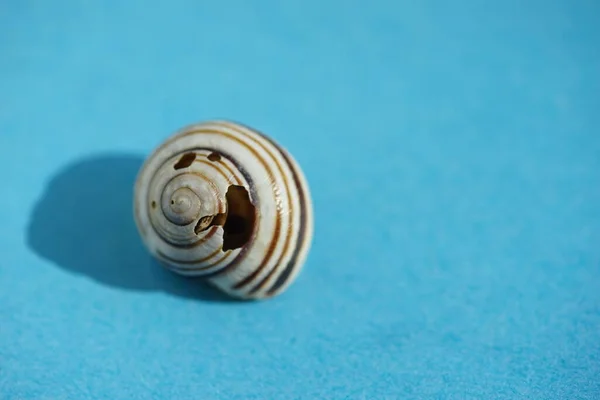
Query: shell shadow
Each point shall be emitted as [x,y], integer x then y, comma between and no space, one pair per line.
[84,224]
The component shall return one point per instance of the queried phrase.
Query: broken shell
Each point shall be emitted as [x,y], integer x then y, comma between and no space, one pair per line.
[225,202]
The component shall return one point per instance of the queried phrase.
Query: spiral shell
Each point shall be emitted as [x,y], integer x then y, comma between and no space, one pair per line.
[222,201]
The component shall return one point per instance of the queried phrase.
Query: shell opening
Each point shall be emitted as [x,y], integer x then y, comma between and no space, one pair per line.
[241,217]
[185,161]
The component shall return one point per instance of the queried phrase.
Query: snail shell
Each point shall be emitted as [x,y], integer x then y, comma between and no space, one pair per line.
[222,201]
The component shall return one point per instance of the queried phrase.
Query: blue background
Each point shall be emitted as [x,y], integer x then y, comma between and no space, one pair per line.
[453,152]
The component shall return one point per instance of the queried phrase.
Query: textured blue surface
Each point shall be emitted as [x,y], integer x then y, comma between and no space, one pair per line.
[453,153]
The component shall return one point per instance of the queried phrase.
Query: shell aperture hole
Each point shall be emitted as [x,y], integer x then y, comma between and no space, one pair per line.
[214,157]
[185,161]
[241,217]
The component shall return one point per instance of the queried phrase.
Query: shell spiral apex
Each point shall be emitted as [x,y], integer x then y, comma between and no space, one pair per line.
[225,202]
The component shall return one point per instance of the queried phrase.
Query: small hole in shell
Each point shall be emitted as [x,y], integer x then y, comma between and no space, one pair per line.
[153,204]
[185,161]
[206,222]
[214,156]
[203,224]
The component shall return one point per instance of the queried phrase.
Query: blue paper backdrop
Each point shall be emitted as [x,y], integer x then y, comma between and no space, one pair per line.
[453,152]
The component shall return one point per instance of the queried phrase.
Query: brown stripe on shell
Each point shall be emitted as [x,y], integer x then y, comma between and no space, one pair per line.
[213,164]
[282,278]
[257,270]
[273,243]
[197,261]
[231,173]
[203,239]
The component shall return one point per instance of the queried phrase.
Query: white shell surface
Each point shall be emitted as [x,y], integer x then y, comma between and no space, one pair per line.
[171,202]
